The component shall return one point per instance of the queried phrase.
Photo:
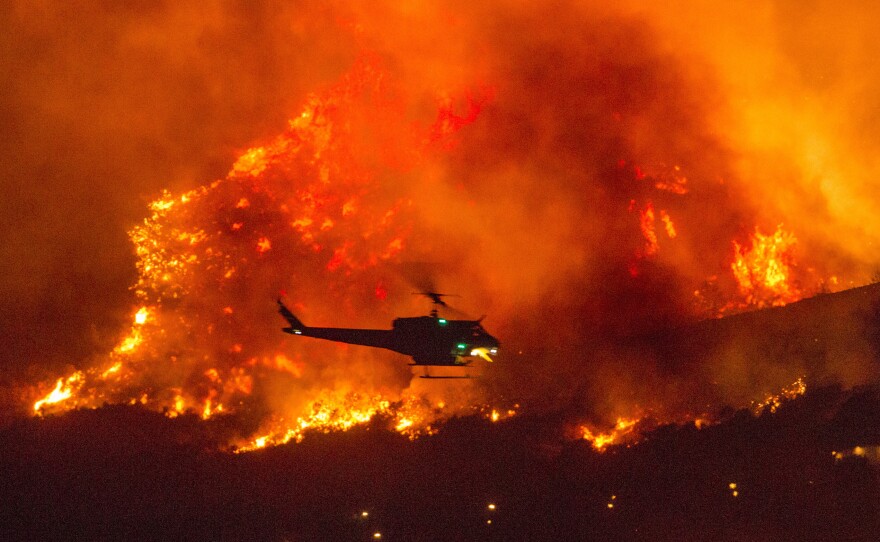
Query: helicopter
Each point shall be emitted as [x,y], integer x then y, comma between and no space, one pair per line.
[428,340]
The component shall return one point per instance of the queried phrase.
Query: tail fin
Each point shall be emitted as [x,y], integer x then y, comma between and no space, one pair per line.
[296,327]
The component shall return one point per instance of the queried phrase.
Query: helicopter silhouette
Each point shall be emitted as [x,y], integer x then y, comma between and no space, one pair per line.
[428,340]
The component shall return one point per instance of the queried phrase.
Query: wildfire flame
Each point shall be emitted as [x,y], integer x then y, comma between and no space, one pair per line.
[763,271]
[774,401]
[412,416]
[308,203]
[323,211]
[600,441]
[629,429]
[662,180]
[64,390]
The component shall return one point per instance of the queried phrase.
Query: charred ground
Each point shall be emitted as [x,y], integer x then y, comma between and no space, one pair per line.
[123,472]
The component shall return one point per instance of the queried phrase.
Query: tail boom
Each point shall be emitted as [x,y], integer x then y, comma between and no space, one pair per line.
[296,326]
[364,337]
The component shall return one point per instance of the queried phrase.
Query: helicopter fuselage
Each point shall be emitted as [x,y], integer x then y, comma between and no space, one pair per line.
[428,340]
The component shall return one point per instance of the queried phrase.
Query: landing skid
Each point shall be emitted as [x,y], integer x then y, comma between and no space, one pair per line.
[460,362]
[446,377]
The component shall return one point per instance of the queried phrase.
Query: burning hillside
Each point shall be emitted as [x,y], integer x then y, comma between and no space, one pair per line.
[311,212]
[808,471]
[558,181]
[663,212]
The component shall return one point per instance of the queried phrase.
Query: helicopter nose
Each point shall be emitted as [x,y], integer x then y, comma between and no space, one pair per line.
[493,345]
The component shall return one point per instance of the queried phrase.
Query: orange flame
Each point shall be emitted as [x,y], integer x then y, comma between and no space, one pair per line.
[774,401]
[764,271]
[600,441]
[310,200]
[627,429]
[64,390]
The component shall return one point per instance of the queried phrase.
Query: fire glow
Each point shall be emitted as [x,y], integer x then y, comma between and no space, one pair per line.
[629,430]
[323,211]
[764,270]
[623,429]
[774,401]
[204,247]
[204,253]
[64,390]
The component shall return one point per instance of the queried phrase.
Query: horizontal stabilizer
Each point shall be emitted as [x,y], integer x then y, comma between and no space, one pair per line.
[295,325]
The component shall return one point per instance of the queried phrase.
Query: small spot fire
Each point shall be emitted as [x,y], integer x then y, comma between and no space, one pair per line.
[628,431]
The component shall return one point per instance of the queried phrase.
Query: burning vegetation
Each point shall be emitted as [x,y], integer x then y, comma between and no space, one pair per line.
[308,213]
[650,218]
[576,185]
[764,271]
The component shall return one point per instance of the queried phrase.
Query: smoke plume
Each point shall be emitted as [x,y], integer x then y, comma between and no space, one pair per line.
[584,175]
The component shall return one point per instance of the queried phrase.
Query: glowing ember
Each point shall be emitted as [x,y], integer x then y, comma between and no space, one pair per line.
[264,245]
[495,415]
[668,225]
[871,453]
[663,179]
[647,225]
[773,402]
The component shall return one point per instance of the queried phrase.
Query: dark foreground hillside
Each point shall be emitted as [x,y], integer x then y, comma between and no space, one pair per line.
[124,473]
